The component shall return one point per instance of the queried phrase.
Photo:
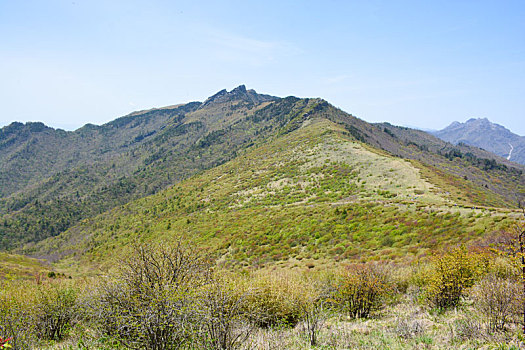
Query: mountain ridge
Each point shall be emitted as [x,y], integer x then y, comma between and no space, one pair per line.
[481,132]
[305,197]
[146,152]
[188,140]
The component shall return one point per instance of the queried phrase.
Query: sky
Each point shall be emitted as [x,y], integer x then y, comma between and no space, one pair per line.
[415,63]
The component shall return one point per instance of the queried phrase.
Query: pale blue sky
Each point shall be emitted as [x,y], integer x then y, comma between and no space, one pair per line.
[418,63]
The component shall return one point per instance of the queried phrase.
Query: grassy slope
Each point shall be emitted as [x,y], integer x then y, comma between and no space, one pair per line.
[309,197]
[14,266]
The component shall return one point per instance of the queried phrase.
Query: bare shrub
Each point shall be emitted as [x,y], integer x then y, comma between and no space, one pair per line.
[151,303]
[362,289]
[498,300]
[409,328]
[466,328]
[224,318]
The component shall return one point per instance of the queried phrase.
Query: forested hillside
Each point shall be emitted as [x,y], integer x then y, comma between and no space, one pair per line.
[309,196]
[145,152]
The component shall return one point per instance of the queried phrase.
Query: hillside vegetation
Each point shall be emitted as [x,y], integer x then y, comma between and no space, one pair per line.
[148,151]
[15,267]
[305,198]
[171,296]
[182,145]
[250,221]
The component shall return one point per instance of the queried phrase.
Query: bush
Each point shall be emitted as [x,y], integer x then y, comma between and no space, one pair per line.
[466,328]
[30,312]
[224,318]
[362,289]
[451,275]
[314,305]
[274,300]
[152,301]
[498,300]
[16,317]
[409,328]
[504,268]
[401,277]
[55,311]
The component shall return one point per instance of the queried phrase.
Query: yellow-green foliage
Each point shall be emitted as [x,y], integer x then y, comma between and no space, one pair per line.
[161,299]
[31,311]
[55,310]
[313,194]
[13,266]
[450,275]
[505,267]
[16,303]
[362,289]
[275,299]
[222,312]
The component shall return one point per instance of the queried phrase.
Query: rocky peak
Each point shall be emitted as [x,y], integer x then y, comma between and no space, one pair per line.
[240,93]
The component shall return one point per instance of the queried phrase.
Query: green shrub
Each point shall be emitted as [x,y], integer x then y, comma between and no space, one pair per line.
[16,317]
[450,275]
[55,311]
[504,268]
[362,289]
[223,314]
[274,300]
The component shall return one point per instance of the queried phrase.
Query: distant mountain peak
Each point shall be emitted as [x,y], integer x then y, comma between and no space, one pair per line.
[473,123]
[240,93]
[481,120]
[483,133]
[240,89]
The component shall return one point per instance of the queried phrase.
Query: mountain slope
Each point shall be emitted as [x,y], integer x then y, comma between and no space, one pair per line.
[189,143]
[32,152]
[472,168]
[311,195]
[489,136]
[201,136]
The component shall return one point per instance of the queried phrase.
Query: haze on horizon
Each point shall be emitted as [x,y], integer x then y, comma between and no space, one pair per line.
[423,64]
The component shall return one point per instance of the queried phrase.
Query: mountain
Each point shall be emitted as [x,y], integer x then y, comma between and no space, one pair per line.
[487,135]
[308,197]
[52,179]
[255,178]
